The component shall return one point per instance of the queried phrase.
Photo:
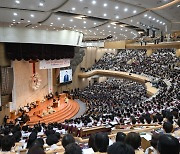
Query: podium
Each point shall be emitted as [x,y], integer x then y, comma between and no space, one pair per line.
[55,104]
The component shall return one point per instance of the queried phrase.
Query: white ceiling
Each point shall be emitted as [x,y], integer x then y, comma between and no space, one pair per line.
[60,14]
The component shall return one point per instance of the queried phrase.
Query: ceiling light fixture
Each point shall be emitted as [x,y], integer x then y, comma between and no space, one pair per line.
[59,18]
[28,21]
[145,15]
[89,11]
[104,14]
[105,4]
[17,2]
[73,9]
[116,7]
[94,2]
[134,11]
[126,9]
[41,4]
[32,15]
[15,14]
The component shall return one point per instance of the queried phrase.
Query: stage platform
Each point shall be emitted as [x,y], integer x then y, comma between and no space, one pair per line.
[62,112]
[65,110]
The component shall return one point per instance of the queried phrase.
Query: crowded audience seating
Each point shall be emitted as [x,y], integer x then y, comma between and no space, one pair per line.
[120,118]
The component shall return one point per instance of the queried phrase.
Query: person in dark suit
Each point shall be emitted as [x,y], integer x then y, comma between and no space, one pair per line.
[66,77]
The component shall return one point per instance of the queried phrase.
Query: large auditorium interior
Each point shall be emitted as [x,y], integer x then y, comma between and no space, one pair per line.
[89,77]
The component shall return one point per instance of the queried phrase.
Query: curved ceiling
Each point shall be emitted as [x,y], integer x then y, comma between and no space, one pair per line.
[122,19]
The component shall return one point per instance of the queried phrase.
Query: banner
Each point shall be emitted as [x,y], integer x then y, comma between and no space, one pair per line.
[48,64]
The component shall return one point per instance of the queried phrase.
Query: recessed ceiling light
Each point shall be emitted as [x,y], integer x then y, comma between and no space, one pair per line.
[15,14]
[131,20]
[84,22]
[150,17]
[51,23]
[71,20]
[109,26]
[40,24]
[41,4]
[59,18]
[94,2]
[80,0]
[28,21]
[154,18]
[104,14]
[19,22]
[73,9]
[32,15]
[89,11]
[157,20]
[117,17]
[94,23]
[145,15]
[126,30]
[116,7]
[17,2]
[114,27]
[164,23]
[134,11]
[84,27]
[105,4]
[161,22]
[36,26]
[14,20]
[126,9]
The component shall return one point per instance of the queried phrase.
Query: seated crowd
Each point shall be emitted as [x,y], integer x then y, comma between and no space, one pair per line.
[50,138]
[110,103]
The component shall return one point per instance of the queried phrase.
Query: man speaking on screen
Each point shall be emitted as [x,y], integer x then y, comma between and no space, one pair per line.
[66,77]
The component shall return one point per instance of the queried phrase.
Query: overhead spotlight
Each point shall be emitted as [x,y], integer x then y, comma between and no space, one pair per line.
[84,22]
[116,7]
[104,14]
[145,15]
[93,2]
[134,11]
[154,18]
[73,9]
[89,11]
[126,9]
[32,15]
[17,2]
[28,21]
[150,17]
[71,20]
[59,18]
[117,17]
[15,14]
[41,4]
[105,4]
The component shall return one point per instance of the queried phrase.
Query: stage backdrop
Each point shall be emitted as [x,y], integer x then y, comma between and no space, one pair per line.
[23,93]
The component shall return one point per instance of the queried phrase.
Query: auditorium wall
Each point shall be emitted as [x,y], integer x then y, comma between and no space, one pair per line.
[92,54]
[23,93]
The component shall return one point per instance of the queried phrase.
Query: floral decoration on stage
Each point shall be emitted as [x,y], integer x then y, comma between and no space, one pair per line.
[35,81]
